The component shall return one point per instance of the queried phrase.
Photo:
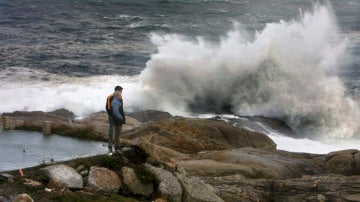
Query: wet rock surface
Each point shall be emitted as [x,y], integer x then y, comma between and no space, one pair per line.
[184,159]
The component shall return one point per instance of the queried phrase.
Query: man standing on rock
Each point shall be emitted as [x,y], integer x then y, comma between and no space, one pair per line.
[118,117]
[110,119]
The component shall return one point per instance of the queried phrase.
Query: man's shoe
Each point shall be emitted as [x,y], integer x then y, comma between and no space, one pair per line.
[110,151]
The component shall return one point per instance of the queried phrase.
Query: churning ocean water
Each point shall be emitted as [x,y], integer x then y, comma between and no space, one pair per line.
[297,61]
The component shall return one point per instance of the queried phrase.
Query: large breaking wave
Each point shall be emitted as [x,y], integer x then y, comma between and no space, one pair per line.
[288,71]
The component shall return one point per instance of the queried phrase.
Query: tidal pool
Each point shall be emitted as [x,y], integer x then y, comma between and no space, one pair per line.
[23,149]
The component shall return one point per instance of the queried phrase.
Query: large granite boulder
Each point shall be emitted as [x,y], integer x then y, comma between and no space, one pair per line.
[23,198]
[63,175]
[103,179]
[190,136]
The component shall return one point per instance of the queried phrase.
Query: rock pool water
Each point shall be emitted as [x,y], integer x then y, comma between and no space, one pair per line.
[22,149]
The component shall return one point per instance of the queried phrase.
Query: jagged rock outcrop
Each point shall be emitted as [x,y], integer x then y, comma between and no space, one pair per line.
[103,179]
[63,175]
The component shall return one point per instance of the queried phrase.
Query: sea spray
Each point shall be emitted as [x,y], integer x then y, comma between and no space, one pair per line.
[288,71]
[37,90]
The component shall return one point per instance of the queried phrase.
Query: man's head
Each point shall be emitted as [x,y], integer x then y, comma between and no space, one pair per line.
[118,94]
[118,88]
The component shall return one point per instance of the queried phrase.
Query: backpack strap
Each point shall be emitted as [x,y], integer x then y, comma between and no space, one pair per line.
[108,103]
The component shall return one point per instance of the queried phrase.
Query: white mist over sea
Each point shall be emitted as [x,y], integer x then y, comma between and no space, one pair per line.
[288,71]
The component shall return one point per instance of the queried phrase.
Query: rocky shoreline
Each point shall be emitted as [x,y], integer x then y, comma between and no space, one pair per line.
[180,159]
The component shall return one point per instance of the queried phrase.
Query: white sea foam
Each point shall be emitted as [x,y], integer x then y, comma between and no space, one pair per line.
[288,70]
[23,89]
[314,147]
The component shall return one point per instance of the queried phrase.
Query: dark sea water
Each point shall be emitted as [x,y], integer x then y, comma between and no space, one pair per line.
[296,60]
[94,37]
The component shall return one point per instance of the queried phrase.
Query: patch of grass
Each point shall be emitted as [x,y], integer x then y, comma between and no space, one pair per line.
[110,162]
[41,177]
